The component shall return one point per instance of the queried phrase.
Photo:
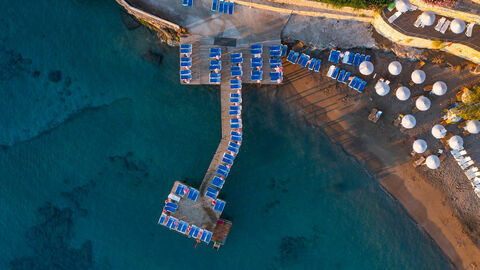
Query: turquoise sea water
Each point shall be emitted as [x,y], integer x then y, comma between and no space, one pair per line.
[95,129]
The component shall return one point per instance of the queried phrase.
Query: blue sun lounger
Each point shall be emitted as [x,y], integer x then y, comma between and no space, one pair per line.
[213,67]
[236,73]
[290,56]
[312,63]
[174,223]
[185,59]
[227,161]
[220,6]
[227,155]
[346,77]
[219,206]
[256,51]
[300,60]
[192,230]
[232,113]
[356,59]
[208,236]
[214,5]
[195,233]
[231,7]
[187,3]
[223,167]
[180,226]
[235,121]
[184,228]
[192,194]
[275,53]
[218,182]
[284,50]
[170,221]
[233,149]
[318,63]
[237,60]
[185,64]
[295,57]
[225,7]
[361,88]
[222,173]
[162,218]
[232,144]
[334,56]
[235,86]
[211,192]
[351,56]
[362,58]
[275,63]
[185,46]
[235,107]
[275,47]
[367,58]
[341,75]
[353,82]
[235,125]
[305,61]
[335,73]
[236,138]
[235,95]
[235,100]
[275,76]
[170,209]
[180,190]
[256,46]
[235,55]
[172,205]
[185,72]
[185,77]
[185,50]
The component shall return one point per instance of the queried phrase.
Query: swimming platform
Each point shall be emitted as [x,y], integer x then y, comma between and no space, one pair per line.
[196,213]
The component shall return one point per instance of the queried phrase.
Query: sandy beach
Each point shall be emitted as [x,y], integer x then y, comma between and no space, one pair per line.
[442,201]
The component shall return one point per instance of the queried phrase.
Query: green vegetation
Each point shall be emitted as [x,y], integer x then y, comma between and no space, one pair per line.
[377,4]
[469,108]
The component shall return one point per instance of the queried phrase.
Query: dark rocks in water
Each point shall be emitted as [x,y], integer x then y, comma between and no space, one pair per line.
[153,57]
[129,20]
[291,248]
[55,76]
[36,74]
[50,242]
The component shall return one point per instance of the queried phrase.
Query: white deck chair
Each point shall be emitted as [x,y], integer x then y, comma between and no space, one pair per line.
[440,24]
[345,57]
[330,71]
[463,152]
[469,29]
[471,174]
[445,27]
[394,17]
[467,164]
[418,22]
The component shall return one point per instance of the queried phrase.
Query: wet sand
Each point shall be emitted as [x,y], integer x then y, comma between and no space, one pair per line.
[442,201]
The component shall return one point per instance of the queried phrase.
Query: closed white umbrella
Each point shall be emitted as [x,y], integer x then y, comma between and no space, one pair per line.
[456,142]
[439,131]
[473,126]
[439,88]
[457,26]
[395,68]
[432,162]
[423,103]
[366,68]
[418,76]
[402,93]
[402,5]
[409,121]
[419,146]
[382,88]
[427,18]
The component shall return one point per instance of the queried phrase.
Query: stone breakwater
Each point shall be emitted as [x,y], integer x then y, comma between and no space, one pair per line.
[166,31]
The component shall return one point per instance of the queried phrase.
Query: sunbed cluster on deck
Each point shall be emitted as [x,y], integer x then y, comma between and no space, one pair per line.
[256,62]
[182,192]
[186,62]
[467,164]
[215,65]
[275,62]
[344,76]
[221,6]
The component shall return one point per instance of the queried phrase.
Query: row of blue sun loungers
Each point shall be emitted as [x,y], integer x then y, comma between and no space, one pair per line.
[186,48]
[185,62]
[183,227]
[349,58]
[214,77]
[343,76]
[313,63]
[221,6]
[187,3]
[256,50]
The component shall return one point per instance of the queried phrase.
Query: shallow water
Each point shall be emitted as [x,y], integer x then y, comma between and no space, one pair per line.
[96,129]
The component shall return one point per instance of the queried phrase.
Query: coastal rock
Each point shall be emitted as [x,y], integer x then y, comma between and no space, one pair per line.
[55,76]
